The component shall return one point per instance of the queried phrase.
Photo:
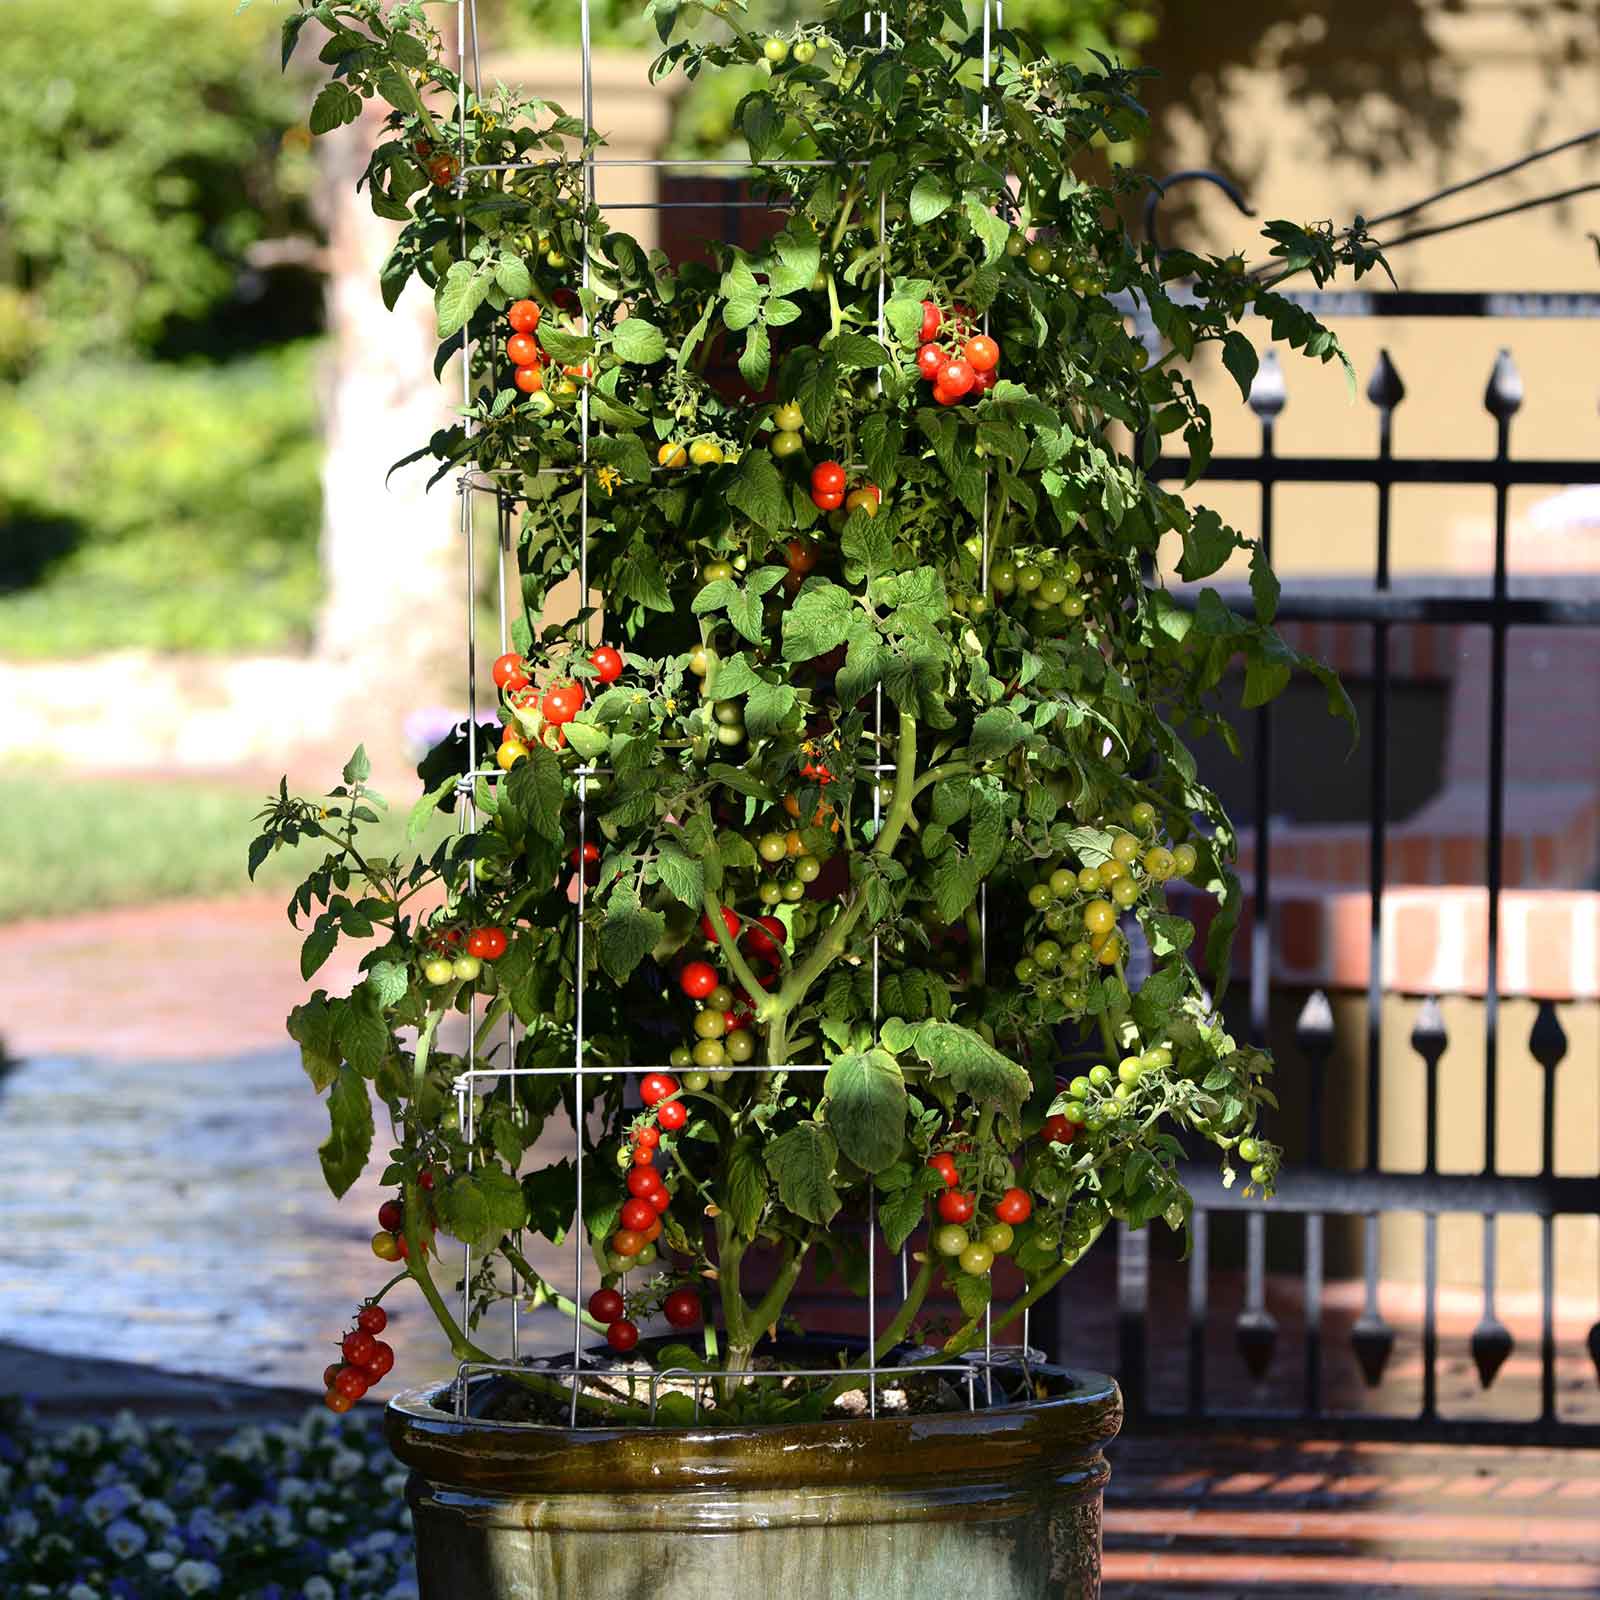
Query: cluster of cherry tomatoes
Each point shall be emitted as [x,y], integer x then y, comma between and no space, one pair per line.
[1099,1095]
[389,1242]
[366,1359]
[724,1034]
[828,490]
[552,707]
[698,452]
[481,944]
[956,361]
[956,1207]
[681,1308]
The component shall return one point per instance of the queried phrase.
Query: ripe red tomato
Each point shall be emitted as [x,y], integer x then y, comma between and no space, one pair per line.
[358,1347]
[763,937]
[487,944]
[828,477]
[826,502]
[642,1181]
[929,359]
[660,1198]
[330,1373]
[591,854]
[731,920]
[353,1382]
[562,702]
[945,1165]
[442,171]
[956,376]
[648,1137]
[386,1247]
[982,353]
[530,380]
[627,1242]
[622,1336]
[521,351]
[424,1180]
[681,1308]
[653,1232]
[655,1087]
[510,673]
[932,321]
[697,980]
[1014,1206]
[524,315]
[802,553]
[955,1205]
[643,1155]
[983,382]
[391,1216]
[605,1305]
[816,772]
[380,1362]
[637,1215]
[943,396]
[607,663]
[1058,1130]
[337,1400]
[672,1114]
[372,1319]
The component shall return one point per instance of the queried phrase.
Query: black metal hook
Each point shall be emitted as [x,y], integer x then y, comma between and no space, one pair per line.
[1189,175]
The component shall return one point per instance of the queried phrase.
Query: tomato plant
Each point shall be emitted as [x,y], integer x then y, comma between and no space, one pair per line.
[895,627]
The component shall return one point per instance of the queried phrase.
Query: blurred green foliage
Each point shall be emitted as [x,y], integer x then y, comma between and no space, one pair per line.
[173,506]
[159,484]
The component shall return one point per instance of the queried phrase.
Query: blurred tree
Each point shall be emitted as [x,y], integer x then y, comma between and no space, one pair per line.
[146,156]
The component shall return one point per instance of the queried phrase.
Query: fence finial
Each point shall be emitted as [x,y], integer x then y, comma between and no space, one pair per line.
[1384,388]
[1503,398]
[1269,394]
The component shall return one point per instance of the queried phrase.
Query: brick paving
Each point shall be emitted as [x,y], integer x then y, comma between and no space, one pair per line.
[1221,1518]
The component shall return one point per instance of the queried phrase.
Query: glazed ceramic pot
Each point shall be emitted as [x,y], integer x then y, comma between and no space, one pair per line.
[1000,1503]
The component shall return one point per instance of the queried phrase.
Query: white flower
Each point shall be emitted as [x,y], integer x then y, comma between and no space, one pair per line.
[190,1481]
[158,1514]
[126,1538]
[82,1591]
[345,1464]
[394,1485]
[194,1576]
[293,1490]
[82,1439]
[318,1589]
[21,1525]
[318,1519]
[341,1563]
[38,1468]
[128,1429]
[381,1543]
[161,1561]
[205,1524]
[405,1589]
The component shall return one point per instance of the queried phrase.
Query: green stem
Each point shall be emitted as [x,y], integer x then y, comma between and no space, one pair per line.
[1042,1285]
[562,1304]
[765,1312]
[731,954]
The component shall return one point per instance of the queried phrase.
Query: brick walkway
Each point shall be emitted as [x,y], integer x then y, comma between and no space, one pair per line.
[1219,1518]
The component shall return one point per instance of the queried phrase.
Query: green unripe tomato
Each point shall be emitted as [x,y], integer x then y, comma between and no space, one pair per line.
[1249,1150]
[1259,1173]
[819,282]
[1073,607]
[1003,577]
[1047,953]
[772,847]
[999,1236]
[1048,990]
[709,1024]
[715,571]
[720,1074]
[730,713]
[793,889]
[1057,918]
[1038,895]
[709,1053]
[1054,590]
[1062,882]
[1025,970]
[1125,848]
[769,894]
[554,260]
[738,1045]
[727,735]
[1130,1069]
[695,1082]
[805,52]
[616,1265]
[776,51]
[1184,859]
[1075,1111]
[1157,1058]
[1029,578]
[1158,862]
[720,999]
[951,1239]
[1111,872]
[646,1256]
[1040,259]
[438,971]
[807,869]
[1143,816]
[786,443]
[788,418]
[681,1057]
[1124,892]
[1016,244]
[1071,573]
[977,1259]
[1081,953]
[700,660]
[1100,1076]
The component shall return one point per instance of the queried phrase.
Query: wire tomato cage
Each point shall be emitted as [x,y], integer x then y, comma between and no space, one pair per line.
[996,1361]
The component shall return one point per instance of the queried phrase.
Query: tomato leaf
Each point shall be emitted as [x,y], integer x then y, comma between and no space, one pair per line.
[461,291]
[744,1189]
[866,1108]
[1240,358]
[311,1026]
[629,932]
[345,1151]
[684,879]
[802,1163]
[336,105]
[638,341]
[931,196]
[480,1208]
[757,490]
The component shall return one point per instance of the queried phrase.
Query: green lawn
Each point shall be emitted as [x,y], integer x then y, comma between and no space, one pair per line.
[69,845]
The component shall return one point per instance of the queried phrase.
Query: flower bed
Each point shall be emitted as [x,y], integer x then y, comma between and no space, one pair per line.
[309,1511]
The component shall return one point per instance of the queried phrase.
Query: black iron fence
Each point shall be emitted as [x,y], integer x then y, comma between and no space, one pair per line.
[1315,1191]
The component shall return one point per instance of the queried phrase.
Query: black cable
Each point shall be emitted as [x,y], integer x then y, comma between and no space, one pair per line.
[1489,216]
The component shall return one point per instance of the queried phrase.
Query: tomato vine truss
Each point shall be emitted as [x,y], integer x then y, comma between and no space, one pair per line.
[994,1358]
